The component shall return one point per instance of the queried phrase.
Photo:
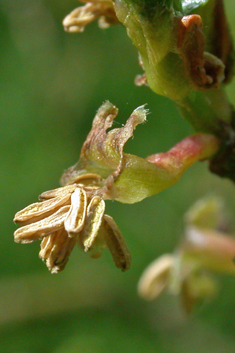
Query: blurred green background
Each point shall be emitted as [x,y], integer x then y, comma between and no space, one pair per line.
[52,83]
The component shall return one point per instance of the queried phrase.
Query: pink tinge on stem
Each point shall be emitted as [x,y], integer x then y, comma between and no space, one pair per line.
[188,151]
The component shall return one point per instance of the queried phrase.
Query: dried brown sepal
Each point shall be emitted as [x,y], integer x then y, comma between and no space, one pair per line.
[93,149]
[102,153]
[38,230]
[59,192]
[36,211]
[94,146]
[76,216]
[103,10]
[117,138]
[115,243]
[95,212]
[107,147]
[205,70]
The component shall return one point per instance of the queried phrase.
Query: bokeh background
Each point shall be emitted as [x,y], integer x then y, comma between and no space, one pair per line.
[52,83]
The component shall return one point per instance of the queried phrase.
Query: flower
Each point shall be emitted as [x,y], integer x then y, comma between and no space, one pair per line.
[129,178]
[72,214]
[204,249]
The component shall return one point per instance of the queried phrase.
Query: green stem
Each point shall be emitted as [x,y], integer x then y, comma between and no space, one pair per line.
[209,111]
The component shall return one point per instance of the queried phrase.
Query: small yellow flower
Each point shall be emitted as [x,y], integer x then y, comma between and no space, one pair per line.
[68,215]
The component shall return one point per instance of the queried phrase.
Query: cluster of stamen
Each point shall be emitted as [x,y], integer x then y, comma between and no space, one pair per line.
[68,215]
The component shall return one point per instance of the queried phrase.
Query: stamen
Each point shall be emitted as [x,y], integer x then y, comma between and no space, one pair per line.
[40,229]
[76,216]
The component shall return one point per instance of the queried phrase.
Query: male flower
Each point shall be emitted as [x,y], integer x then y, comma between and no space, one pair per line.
[74,213]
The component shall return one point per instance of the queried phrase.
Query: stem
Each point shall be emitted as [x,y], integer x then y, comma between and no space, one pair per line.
[186,152]
[209,111]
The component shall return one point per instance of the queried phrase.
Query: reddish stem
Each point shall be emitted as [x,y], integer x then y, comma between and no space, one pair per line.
[186,152]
